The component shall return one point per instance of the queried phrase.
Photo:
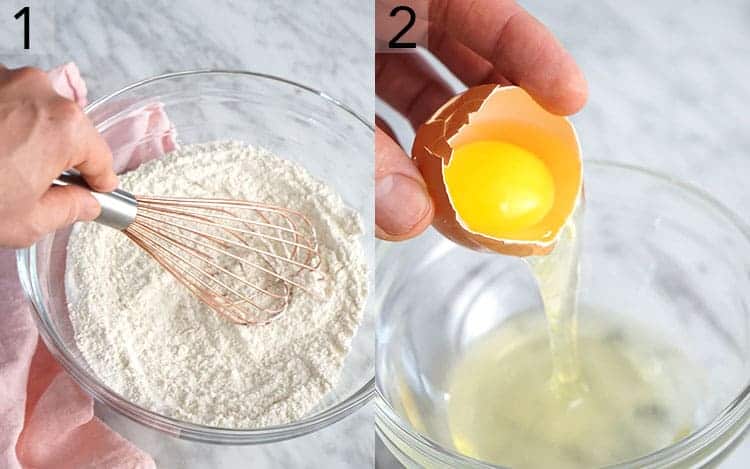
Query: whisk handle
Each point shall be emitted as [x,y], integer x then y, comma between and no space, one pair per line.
[118,207]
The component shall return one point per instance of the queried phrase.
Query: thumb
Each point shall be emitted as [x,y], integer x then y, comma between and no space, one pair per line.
[62,206]
[403,208]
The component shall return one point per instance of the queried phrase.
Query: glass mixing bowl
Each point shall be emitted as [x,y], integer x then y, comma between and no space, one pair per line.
[661,253]
[291,120]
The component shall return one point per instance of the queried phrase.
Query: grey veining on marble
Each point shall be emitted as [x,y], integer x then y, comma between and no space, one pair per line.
[326,44]
[669,90]
[668,86]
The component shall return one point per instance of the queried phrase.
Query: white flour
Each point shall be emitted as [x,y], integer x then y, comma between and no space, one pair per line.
[148,339]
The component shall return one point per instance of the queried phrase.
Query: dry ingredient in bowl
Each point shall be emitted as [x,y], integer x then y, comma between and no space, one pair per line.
[148,339]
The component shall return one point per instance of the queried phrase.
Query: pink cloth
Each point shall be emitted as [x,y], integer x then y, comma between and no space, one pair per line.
[149,120]
[66,80]
[146,120]
[46,420]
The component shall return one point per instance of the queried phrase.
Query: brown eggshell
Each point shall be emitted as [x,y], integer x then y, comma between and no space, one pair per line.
[456,123]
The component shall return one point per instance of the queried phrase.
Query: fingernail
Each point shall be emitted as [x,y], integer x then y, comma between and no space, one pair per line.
[107,183]
[400,203]
[90,209]
[112,183]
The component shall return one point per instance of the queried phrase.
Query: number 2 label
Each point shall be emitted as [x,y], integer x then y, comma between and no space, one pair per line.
[393,43]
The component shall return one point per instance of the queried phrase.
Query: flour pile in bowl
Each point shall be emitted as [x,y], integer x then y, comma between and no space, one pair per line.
[146,337]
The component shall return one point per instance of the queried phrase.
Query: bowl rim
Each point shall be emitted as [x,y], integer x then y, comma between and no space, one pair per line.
[27,273]
[716,436]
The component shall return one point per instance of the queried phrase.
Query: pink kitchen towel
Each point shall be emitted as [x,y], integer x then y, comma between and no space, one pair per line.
[46,420]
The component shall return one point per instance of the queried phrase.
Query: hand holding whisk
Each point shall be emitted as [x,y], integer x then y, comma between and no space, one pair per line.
[242,259]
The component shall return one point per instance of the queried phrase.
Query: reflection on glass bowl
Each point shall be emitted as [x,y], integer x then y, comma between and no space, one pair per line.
[291,120]
[656,253]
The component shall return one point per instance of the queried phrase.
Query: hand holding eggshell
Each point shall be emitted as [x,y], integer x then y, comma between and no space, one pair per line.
[466,41]
[535,171]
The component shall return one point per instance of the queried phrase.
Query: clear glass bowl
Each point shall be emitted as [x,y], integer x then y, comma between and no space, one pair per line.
[293,121]
[667,255]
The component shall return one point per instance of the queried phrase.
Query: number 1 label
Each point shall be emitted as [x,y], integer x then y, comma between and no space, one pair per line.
[26,13]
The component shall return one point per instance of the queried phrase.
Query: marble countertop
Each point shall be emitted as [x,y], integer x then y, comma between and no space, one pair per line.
[325,44]
[668,91]
[668,84]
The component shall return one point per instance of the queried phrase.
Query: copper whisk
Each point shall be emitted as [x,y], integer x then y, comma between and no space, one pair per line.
[242,259]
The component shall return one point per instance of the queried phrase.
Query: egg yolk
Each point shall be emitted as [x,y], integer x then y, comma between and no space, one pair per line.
[498,188]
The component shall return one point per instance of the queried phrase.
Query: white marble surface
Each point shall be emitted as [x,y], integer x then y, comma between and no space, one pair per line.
[326,44]
[669,90]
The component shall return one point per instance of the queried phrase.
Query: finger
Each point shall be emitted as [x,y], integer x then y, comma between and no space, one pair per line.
[91,155]
[27,81]
[518,46]
[403,208]
[60,207]
[410,85]
[96,167]
[468,66]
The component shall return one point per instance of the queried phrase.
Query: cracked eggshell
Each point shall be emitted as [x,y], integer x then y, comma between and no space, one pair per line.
[504,113]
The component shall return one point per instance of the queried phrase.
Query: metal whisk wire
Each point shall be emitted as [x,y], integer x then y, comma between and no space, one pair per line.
[242,259]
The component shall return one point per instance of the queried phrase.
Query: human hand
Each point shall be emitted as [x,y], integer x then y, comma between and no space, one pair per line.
[41,135]
[482,41]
